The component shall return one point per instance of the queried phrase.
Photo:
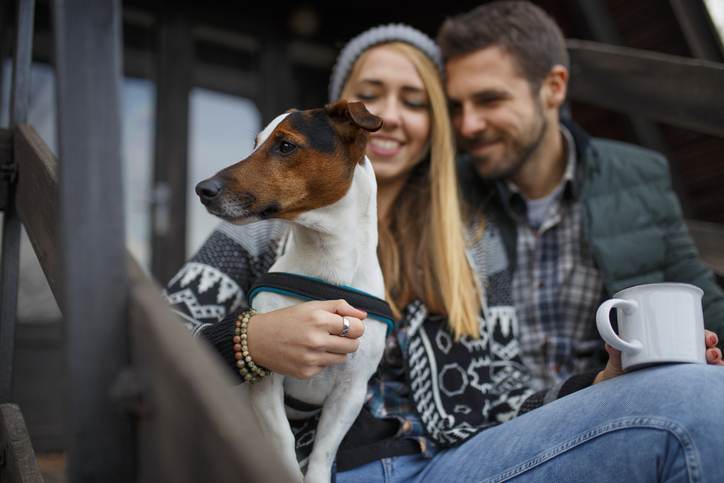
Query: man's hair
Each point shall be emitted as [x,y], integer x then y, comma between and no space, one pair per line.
[520,28]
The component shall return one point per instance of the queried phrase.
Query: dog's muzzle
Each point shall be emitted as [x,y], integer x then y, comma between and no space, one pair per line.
[223,203]
[209,189]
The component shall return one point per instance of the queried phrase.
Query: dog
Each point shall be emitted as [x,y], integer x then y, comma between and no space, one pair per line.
[309,168]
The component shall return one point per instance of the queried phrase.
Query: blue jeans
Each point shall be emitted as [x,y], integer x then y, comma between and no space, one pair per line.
[658,424]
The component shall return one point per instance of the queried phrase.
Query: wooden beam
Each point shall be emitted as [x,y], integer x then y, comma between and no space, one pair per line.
[38,180]
[19,464]
[664,88]
[230,80]
[101,442]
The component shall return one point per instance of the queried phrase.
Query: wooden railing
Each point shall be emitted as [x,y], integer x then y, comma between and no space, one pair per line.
[18,459]
[192,423]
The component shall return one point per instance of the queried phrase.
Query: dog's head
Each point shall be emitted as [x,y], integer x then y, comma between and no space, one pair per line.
[302,160]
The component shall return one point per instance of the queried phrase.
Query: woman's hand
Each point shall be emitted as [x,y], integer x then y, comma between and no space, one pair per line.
[613,367]
[301,340]
[713,353]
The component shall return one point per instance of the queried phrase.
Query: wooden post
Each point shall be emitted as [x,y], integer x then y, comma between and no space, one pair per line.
[94,280]
[18,459]
[20,99]
[173,84]
[277,92]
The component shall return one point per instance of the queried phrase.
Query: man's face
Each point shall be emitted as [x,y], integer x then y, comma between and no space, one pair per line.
[498,121]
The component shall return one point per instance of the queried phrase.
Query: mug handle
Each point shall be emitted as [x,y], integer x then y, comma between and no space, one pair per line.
[603,322]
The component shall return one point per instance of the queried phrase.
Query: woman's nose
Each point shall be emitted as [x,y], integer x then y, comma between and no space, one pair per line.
[390,113]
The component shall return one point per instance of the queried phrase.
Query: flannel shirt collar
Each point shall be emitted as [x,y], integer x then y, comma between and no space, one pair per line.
[513,200]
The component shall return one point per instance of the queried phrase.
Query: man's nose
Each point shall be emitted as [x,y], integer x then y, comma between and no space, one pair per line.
[470,123]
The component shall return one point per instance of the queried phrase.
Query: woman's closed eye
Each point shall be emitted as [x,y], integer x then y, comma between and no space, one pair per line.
[366,96]
[409,103]
[416,103]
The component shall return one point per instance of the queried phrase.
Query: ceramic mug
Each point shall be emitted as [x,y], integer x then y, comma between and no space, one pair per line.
[657,323]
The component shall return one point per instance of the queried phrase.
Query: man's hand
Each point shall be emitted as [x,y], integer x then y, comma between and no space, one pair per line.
[613,367]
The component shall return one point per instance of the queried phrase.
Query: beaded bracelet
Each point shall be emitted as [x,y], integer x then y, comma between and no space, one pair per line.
[249,371]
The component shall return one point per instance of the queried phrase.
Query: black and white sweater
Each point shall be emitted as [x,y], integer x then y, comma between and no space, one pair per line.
[457,388]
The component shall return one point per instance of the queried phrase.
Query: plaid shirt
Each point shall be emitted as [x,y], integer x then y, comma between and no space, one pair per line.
[556,286]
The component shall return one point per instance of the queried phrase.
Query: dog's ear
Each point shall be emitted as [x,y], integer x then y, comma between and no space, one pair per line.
[354,112]
[363,118]
[291,110]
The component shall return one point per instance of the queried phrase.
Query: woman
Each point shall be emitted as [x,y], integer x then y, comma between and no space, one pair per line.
[447,373]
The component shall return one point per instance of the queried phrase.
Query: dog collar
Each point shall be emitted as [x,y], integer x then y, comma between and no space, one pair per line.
[311,288]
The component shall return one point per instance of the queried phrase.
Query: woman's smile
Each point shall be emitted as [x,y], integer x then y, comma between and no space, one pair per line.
[384,147]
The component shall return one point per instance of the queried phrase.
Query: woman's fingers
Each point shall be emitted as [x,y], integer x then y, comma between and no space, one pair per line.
[334,325]
[341,345]
[341,307]
[329,359]
[614,358]
[356,327]
[711,338]
[713,356]
[713,353]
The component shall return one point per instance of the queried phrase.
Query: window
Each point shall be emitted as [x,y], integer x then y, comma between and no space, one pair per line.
[716,13]
[222,132]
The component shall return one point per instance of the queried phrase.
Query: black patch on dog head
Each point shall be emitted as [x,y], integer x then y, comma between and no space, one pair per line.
[315,127]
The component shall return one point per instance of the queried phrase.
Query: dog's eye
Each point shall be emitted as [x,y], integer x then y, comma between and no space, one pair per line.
[286,147]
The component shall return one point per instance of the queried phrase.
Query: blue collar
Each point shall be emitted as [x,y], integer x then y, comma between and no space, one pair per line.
[311,288]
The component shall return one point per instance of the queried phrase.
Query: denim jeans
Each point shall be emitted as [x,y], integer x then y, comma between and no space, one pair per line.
[658,424]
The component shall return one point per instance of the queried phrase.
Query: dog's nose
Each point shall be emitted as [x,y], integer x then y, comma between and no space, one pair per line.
[208,189]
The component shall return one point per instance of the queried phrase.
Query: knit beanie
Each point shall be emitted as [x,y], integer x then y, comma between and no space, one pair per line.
[394,32]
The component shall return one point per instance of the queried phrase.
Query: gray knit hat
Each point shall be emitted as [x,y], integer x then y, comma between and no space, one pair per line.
[394,32]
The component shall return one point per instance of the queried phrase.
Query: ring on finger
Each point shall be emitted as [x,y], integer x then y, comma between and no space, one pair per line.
[345,327]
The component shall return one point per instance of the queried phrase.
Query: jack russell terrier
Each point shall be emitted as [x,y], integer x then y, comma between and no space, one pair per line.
[309,168]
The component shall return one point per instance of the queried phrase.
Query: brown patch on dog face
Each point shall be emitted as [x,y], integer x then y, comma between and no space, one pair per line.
[307,162]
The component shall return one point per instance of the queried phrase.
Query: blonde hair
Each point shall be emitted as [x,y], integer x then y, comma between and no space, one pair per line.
[427,260]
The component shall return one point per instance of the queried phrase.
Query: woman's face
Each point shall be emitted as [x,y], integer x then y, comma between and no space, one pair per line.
[390,87]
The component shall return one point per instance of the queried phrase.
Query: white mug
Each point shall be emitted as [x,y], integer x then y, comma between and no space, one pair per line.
[657,323]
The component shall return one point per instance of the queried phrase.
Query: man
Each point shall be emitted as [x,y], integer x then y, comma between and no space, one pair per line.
[581,218]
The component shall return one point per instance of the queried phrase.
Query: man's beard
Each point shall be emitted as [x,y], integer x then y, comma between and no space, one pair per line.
[518,151]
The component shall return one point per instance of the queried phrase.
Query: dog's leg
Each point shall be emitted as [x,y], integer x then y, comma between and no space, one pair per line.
[339,412]
[267,401]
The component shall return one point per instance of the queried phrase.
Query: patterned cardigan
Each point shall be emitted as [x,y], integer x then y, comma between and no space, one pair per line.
[458,388]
